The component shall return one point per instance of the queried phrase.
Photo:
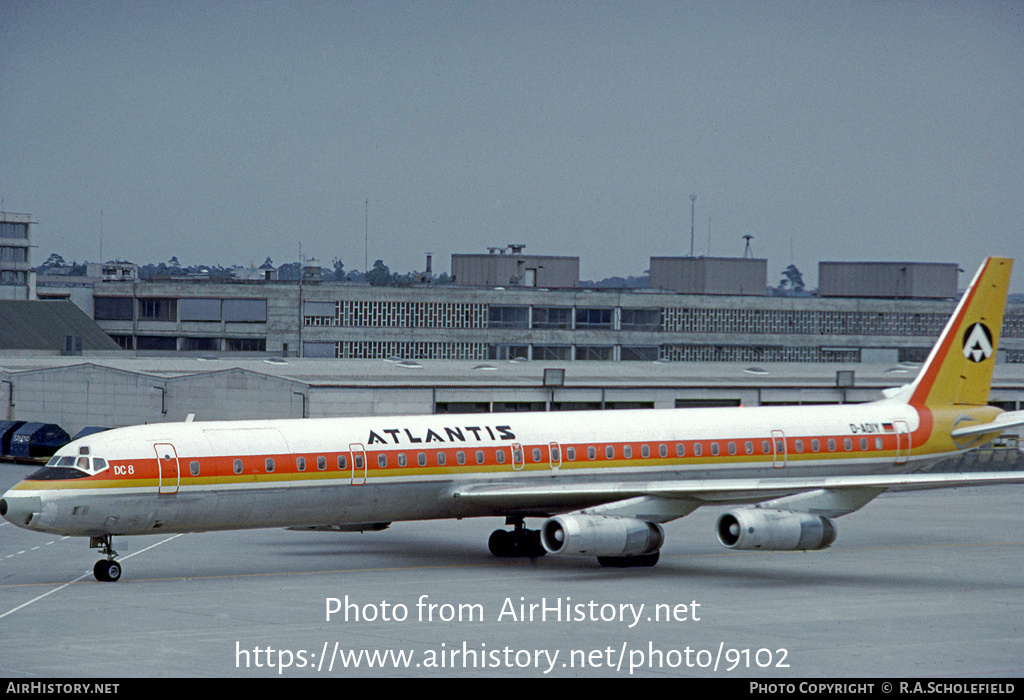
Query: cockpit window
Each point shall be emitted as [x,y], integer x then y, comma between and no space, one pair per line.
[88,465]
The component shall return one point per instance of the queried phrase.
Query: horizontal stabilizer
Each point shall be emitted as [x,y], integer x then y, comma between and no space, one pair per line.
[1004,421]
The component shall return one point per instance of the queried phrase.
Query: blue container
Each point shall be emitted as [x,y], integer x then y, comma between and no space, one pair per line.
[35,440]
[7,428]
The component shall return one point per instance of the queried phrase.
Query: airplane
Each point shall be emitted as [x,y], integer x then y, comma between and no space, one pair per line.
[603,482]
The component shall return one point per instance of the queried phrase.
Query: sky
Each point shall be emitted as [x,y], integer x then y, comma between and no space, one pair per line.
[227,132]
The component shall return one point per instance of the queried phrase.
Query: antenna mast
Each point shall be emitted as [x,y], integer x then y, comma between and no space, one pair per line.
[693,199]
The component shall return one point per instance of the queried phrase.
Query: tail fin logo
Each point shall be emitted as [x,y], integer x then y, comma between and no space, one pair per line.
[978,343]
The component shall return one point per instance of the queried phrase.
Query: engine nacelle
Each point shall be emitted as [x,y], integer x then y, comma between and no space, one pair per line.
[600,535]
[762,528]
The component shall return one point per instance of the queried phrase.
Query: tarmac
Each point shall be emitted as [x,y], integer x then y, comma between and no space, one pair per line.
[921,584]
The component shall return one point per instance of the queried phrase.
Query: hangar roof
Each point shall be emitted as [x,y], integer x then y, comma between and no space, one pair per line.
[43,325]
[456,373]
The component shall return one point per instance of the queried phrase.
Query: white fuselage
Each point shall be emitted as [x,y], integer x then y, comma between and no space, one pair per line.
[189,477]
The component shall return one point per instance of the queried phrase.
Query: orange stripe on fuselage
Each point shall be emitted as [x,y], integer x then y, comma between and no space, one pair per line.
[143,473]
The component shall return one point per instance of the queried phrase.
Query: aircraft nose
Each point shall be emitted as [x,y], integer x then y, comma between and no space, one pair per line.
[20,510]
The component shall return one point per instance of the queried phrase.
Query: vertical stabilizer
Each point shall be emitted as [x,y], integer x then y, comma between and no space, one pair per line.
[959,369]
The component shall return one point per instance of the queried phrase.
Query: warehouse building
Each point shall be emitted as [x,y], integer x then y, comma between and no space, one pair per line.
[78,393]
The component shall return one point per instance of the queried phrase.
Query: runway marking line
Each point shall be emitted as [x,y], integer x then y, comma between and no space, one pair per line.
[65,585]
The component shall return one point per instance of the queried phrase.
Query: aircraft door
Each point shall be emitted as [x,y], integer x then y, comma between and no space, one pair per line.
[902,441]
[168,468]
[778,449]
[554,456]
[518,458]
[358,457]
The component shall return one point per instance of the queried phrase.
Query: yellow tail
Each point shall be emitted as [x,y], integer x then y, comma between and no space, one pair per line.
[959,369]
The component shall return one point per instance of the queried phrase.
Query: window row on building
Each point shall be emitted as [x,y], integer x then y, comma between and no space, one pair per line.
[469,315]
[413,350]
[383,349]
[395,314]
[184,309]
[778,321]
[189,343]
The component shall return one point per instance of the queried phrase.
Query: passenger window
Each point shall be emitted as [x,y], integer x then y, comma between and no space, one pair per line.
[714,449]
[321,463]
[269,463]
[441,459]
[645,451]
[878,443]
[570,454]
[698,449]
[300,464]
[517,456]
[798,445]
[382,460]
[766,447]
[193,467]
[401,459]
[627,451]
[680,449]
[663,450]
[863,443]
[748,447]
[421,459]
[479,456]
[536,454]
[460,457]
[815,445]
[238,466]
[358,462]
[847,444]
[732,448]
[831,445]
[609,452]
[499,456]
[343,462]
[591,452]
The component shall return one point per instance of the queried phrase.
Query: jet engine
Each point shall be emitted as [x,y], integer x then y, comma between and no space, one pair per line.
[600,535]
[762,528]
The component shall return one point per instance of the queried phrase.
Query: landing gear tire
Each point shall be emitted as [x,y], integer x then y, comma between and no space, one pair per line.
[106,570]
[623,562]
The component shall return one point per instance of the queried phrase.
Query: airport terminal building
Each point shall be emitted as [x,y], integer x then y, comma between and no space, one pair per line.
[696,310]
[704,333]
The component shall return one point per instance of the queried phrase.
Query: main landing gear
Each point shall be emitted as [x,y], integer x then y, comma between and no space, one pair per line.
[519,542]
[105,569]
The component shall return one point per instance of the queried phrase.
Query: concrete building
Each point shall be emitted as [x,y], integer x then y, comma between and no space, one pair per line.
[888,280]
[15,269]
[345,321]
[725,276]
[272,349]
[500,268]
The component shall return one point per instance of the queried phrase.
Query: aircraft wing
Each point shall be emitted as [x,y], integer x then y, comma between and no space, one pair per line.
[560,497]
[1003,421]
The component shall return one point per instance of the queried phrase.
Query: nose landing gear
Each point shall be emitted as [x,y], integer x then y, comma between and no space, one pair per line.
[105,569]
